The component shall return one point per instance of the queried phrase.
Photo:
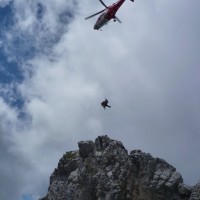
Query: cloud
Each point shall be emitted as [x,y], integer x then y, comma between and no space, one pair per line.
[4,3]
[147,67]
[36,27]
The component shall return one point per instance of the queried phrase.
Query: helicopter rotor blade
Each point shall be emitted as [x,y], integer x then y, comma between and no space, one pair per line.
[118,19]
[103,3]
[95,14]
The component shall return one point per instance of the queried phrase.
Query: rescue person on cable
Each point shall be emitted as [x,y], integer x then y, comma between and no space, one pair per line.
[105,104]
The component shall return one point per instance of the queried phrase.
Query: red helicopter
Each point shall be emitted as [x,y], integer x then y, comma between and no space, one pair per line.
[107,14]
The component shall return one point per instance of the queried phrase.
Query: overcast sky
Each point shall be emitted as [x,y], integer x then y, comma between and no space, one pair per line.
[55,70]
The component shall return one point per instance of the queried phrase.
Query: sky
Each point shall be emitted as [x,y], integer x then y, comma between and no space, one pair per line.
[55,70]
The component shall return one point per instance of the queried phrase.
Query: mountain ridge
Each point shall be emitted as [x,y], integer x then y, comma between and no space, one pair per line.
[104,170]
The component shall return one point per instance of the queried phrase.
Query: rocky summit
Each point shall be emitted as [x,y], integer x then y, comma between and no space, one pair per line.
[104,170]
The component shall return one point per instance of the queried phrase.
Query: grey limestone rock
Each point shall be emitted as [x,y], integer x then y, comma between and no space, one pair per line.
[103,170]
[195,192]
[85,148]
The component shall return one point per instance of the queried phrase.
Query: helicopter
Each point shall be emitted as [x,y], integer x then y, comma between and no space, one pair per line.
[108,13]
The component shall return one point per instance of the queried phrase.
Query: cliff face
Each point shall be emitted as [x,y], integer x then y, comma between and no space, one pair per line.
[103,170]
